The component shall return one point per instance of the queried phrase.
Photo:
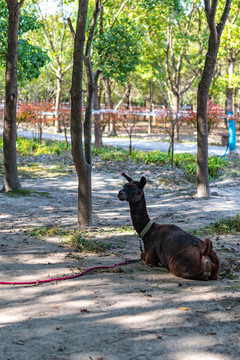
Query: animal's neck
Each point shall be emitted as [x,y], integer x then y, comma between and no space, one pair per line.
[139,214]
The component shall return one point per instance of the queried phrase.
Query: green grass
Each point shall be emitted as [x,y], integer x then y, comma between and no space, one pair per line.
[229,225]
[188,162]
[111,153]
[48,231]
[25,192]
[34,170]
[79,240]
[48,147]
[80,243]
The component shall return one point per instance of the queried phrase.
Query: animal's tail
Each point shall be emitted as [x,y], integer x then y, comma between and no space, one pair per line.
[206,261]
[207,247]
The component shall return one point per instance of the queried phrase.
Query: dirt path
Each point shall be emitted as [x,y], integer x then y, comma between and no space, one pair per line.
[132,312]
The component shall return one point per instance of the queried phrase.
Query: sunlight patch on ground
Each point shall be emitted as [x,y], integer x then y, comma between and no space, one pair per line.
[190,355]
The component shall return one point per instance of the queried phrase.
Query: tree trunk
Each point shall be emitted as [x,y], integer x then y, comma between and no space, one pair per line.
[88,111]
[230,90]
[97,117]
[82,167]
[150,107]
[11,181]
[229,99]
[203,189]
[128,94]
[112,127]
[58,101]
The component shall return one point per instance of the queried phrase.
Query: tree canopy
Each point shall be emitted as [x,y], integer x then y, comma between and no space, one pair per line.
[31,58]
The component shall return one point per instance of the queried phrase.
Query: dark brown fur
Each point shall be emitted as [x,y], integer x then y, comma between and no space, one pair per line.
[183,254]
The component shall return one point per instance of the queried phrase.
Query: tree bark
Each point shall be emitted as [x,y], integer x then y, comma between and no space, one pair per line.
[150,106]
[128,95]
[58,101]
[112,126]
[90,87]
[203,189]
[230,90]
[96,107]
[82,167]
[11,180]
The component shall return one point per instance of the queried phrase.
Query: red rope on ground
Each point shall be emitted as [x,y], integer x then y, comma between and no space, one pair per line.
[60,278]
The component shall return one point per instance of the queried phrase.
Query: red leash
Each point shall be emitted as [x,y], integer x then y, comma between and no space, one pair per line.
[64,278]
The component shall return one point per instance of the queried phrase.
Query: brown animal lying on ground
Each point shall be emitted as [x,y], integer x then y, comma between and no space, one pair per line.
[183,254]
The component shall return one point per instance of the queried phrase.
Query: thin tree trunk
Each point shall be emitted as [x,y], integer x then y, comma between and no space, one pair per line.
[82,167]
[97,118]
[88,111]
[11,180]
[128,93]
[229,99]
[58,101]
[112,127]
[150,107]
[230,90]
[90,88]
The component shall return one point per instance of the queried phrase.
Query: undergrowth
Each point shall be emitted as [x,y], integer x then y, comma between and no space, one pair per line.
[186,161]
[33,147]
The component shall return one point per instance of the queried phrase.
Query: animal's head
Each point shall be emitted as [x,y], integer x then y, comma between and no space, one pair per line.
[133,190]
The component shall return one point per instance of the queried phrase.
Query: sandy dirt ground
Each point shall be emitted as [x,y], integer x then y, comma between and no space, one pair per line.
[131,312]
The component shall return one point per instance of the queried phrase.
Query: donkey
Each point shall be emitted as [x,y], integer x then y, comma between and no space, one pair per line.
[183,254]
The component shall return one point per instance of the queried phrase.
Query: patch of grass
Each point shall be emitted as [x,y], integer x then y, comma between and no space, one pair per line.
[25,192]
[150,157]
[34,147]
[225,226]
[48,231]
[188,162]
[79,240]
[232,287]
[80,243]
[231,276]
[18,193]
[111,153]
[36,170]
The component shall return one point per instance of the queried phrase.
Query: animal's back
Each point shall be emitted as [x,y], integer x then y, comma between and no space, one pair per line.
[170,239]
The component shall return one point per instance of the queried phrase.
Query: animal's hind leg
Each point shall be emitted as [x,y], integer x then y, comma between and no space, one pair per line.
[186,264]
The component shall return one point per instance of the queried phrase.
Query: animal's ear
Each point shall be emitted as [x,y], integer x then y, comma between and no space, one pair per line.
[127,177]
[143,182]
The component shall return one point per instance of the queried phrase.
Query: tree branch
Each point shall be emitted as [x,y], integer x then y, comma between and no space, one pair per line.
[71,27]
[224,17]
[187,87]
[92,27]
[20,4]
[67,68]
[119,11]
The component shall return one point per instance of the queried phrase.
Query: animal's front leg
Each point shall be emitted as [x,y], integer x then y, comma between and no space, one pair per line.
[150,257]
